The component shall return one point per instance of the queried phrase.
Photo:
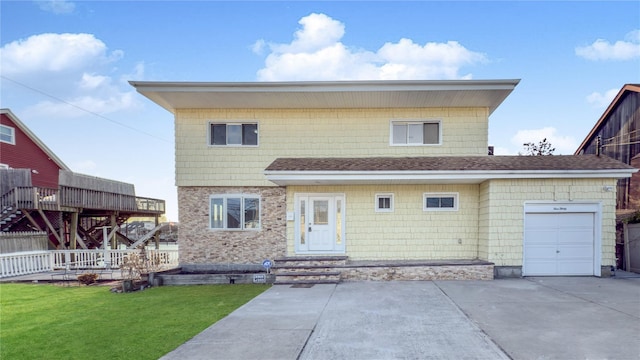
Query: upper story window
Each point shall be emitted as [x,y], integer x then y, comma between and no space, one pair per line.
[234,212]
[7,134]
[233,134]
[415,133]
[440,202]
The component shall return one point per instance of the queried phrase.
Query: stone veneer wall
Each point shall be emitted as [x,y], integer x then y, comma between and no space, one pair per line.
[423,272]
[201,245]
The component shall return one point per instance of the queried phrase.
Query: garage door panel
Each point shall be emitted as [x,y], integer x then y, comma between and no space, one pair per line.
[541,252]
[559,244]
[578,236]
[576,267]
[540,221]
[541,267]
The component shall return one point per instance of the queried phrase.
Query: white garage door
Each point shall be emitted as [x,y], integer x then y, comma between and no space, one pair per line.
[559,244]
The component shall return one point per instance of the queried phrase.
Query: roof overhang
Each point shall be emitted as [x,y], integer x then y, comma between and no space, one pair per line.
[288,178]
[327,94]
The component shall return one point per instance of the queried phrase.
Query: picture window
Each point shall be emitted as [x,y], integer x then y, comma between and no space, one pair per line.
[234,212]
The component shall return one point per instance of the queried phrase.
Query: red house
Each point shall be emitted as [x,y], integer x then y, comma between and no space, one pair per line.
[21,149]
[38,192]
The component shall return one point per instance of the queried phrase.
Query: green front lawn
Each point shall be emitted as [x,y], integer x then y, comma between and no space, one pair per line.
[90,322]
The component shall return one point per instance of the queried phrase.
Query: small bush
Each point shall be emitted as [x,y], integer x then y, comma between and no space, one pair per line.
[88,279]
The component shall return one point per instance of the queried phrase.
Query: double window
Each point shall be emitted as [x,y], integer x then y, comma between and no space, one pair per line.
[384,202]
[231,134]
[415,133]
[7,135]
[440,202]
[234,212]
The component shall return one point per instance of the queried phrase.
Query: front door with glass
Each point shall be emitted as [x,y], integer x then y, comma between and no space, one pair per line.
[319,223]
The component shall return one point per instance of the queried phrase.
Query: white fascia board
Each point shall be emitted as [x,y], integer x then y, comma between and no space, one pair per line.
[325,86]
[355,177]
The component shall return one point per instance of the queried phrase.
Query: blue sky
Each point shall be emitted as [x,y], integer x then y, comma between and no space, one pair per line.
[65,65]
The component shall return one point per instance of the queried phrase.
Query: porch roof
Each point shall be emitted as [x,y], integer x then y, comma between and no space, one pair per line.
[441,169]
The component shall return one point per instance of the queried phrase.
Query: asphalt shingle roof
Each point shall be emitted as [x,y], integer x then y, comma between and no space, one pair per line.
[451,163]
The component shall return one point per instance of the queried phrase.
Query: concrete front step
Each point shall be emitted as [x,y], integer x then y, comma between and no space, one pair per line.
[308,276]
[308,269]
[305,269]
[305,282]
[313,261]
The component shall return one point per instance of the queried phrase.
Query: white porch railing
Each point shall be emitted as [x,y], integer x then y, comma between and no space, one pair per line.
[24,263]
[32,262]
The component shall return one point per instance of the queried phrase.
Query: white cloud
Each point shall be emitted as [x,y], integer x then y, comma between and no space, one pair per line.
[602,100]
[57,6]
[601,49]
[74,69]
[317,53]
[562,144]
[54,53]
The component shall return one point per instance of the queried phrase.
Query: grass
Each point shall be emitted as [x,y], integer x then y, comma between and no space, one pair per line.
[90,322]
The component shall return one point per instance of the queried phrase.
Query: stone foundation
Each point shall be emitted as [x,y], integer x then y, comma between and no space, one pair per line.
[389,272]
[201,245]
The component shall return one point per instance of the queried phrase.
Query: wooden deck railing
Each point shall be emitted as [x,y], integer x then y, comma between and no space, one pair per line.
[31,262]
[32,197]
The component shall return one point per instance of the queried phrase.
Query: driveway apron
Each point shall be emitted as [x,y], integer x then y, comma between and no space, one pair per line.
[562,318]
[353,320]
[396,320]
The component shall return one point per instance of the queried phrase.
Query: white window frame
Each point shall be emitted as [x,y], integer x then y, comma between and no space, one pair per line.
[227,123]
[4,166]
[13,135]
[377,202]
[454,195]
[242,197]
[414,122]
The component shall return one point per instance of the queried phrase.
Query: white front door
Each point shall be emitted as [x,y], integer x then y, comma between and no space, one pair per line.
[319,223]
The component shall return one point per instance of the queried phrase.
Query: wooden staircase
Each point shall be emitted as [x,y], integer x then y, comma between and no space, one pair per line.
[308,270]
[8,217]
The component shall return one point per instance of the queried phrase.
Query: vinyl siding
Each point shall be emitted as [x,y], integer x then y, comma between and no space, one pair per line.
[406,233]
[501,214]
[312,133]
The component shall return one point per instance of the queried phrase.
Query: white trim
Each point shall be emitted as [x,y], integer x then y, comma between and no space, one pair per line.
[224,197]
[559,207]
[13,135]
[298,250]
[454,195]
[4,166]
[391,203]
[416,177]
[232,122]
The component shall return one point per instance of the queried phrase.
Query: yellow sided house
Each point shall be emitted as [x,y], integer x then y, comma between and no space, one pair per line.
[377,180]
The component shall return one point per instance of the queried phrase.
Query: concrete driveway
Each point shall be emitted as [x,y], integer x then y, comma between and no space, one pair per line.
[555,318]
[534,318]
